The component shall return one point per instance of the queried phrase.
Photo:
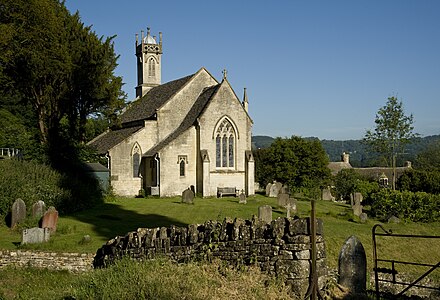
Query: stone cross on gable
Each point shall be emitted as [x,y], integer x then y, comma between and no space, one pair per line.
[225,73]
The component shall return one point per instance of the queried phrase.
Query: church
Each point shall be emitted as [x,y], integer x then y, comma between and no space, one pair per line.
[192,132]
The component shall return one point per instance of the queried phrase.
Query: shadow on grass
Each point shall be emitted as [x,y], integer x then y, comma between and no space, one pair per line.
[109,220]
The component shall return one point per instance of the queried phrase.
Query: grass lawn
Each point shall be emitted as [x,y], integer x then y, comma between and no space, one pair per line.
[127,214]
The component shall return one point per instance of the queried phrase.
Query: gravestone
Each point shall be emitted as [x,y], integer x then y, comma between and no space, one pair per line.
[35,235]
[18,212]
[282,199]
[242,198]
[38,209]
[357,206]
[363,217]
[188,196]
[285,189]
[268,186]
[50,219]
[275,189]
[358,198]
[265,213]
[327,195]
[393,219]
[352,266]
[290,207]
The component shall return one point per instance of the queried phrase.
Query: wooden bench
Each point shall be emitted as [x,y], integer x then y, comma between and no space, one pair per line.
[226,191]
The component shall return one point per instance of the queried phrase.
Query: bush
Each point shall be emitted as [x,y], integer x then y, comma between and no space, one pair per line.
[32,182]
[420,181]
[416,207]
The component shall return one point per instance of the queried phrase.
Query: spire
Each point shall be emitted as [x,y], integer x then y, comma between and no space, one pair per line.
[245,101]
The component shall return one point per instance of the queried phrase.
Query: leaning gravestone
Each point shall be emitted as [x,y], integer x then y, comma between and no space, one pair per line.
[50,219]
[275,189]
[265,213]
[18,212]
[38,209]
[282,199]
[188,196]
[352,266]
[242,198]
[268,186]
[35,235]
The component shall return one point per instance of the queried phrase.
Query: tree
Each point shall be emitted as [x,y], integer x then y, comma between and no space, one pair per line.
[429,158]
[295,161]
[393,131]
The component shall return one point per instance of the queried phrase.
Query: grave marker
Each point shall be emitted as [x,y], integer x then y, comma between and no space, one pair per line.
[18,212]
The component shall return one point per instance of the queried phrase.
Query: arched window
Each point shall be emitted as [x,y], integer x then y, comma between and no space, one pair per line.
[182,160]
[151,68]
[136,160]
[225,145]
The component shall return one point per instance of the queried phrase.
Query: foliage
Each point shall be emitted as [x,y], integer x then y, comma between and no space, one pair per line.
[416,207]
[295,161]
[32,182]
[392,132]
[348,181]
[429,158]
[420,181]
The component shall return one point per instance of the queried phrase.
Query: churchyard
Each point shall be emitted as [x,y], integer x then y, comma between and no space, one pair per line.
[122,215]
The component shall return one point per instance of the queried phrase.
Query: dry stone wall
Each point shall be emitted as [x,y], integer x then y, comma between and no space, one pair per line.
[281,248]
[74,262]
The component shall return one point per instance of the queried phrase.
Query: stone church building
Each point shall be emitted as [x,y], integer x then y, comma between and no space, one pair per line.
[192,132]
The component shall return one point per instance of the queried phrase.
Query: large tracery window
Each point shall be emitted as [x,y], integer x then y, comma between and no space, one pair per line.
[225,145]
[136,159]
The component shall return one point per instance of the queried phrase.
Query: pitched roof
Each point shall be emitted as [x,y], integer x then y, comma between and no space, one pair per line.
[336,166]
[375,172]
[155,98]
[189,119]
[109,139]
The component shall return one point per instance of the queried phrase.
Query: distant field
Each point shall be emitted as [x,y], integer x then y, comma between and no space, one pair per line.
[117,218]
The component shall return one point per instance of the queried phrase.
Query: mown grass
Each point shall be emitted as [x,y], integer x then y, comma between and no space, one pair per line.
[123,215]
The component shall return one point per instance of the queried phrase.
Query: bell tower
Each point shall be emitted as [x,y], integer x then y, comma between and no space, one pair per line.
[148,55]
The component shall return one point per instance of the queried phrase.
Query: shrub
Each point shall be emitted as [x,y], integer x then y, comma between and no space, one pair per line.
[416,207]
[420,181]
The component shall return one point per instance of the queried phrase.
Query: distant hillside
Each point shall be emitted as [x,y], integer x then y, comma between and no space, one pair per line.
[360,156]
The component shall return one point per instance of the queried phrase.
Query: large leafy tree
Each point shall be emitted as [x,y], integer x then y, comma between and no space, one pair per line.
[296,161]
[393,131]
[58,66]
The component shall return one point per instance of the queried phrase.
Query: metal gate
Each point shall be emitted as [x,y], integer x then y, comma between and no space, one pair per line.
[389,266]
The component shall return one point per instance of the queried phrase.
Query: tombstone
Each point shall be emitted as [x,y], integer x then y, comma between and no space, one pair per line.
[275,189]
[393,219]
[242,198]
[285,189]
[282,199]
[357,207]
[188,196]
[290,207]
[363,217]
[265,213]
[352,266]
[38,209]
[50,219]
[18,212]
[268,186]
[358,198]
[327,195]
[35,235]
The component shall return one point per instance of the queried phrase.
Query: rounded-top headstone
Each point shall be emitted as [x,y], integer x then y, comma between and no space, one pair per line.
[188,196]
[38,209]
[353,266]
[18,212]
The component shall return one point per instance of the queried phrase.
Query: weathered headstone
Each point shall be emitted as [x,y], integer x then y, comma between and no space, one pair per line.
[358,198]
[275,189]
[268,187]
[285,189]
[242,198]
[357,206]
[393,219]
[282,199]
[291,203]
[188,196]
[18,212]
[50,219]
[363,217]
[35,235]
[38,209]
[327,195]
[265,213]
[352,266]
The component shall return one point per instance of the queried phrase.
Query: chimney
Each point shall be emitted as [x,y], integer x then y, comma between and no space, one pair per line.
[345,157]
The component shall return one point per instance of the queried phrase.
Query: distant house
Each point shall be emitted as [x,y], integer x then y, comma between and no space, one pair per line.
[380,174]
[190,132]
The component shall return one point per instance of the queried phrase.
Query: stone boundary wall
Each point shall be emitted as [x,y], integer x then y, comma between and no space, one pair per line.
[281,248]
[74,262]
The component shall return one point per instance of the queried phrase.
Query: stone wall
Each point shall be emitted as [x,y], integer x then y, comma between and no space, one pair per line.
[281,248]
[74,262]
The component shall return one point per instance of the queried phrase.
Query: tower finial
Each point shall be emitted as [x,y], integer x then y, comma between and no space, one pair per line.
[225,73]
[245,102]
[148,31]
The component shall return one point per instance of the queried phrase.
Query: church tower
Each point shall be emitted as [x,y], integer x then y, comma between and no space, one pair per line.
[148,54]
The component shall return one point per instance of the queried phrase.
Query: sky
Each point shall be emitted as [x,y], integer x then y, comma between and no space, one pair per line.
[311,68]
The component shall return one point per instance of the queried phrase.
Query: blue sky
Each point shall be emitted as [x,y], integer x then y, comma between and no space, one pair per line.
[311,68]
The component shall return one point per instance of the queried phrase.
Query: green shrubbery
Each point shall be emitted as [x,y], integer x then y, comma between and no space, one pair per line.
[416,207]
[33,181]
[420,181]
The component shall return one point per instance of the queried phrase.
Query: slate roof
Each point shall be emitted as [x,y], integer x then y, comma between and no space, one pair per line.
[111,138]
[189,119]
[336,166]
[375,172]
[155,98]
